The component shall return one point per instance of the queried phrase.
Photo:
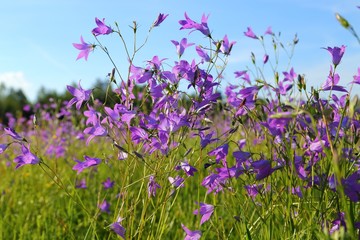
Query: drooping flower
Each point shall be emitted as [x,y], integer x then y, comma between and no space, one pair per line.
[191,235]
[152,186]
[336,54]
[190,24]
[108,183]
[357,77]
[226,46]
[118,228]
[104,206]
[180,47]
[89,162]
[177,181]
[265,58]
[187,168]
[3,147]
[206,210]
[26,157]
[204,55]
[249,33]
[85,48]
[80,95]
[81,184]
[11,132]
[102,28]
[160,19]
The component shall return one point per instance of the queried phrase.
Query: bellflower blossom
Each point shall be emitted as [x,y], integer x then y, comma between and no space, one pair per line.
[160,19]
[26,158]
[152,186]
[249,33]
[180,47]
[80,95]
[206,210]
[118,228]
[191,235]
[190,24]
[102,28]
[336,54]
[89,162]
[85,48]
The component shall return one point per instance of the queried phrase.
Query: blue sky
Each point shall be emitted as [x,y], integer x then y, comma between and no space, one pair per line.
[37,35]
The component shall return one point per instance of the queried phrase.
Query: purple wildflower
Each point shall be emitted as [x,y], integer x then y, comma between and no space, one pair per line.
[269,31]
[220,153]
[253,190]
[191,235]
[95,131]
[336,54]
[81,184]
[177,181]
[3,147]
[190,24]
[11,132]
[26,158]
[80,95]
[152,186]
[226,46]
[180,47]
[204,55]
[102,28]
[84,48]
[160,19]
[89,162]
[118,228]
[357,77]
[206,210]
[104,206]
[249,33]
[187,168]
[108,183]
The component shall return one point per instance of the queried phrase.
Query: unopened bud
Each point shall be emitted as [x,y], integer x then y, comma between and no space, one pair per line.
[342,21]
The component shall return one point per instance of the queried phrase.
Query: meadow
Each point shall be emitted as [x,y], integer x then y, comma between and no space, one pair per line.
[265,159]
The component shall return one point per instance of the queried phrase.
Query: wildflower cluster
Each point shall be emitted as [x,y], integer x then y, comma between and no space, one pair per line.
[273,149]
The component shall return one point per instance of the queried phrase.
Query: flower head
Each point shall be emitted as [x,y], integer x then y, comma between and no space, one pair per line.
[160,19]
[336,54]
[102,28]
[11,132]
[85,48]
[118,228]
[3,147]
[80,95]
[108,183]
[152,186]
[26,158]
[226,46]
[191,235]
[180,47]
[89,162]
[104,206]
[206,210]
[249,33]
[190,24]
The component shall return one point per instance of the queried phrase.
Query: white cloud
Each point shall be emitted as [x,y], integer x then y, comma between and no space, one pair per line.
[16,80]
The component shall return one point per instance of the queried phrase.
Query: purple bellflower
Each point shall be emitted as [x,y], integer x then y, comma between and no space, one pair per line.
[187,168]
[206,210]
[226,46]
[80,95]
[3,147]
[204,55]
[85,48]
[104,206]
[190,24]
[336,54]
[191,235]
[180,47]
[118,228]
[249,33]
[152,186]
[108,183]
[11,132]
[102,28]
[357,77]
[160,19]
[89,162]
[26,158]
